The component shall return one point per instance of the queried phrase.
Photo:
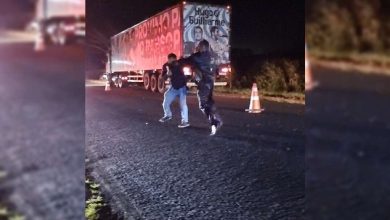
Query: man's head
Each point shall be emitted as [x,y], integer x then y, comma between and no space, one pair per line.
[214,30]
[198,32]
[203,46]
[171,57]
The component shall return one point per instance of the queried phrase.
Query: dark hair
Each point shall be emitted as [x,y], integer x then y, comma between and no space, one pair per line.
[204,43]
[172,55]
[198,27]
[213,29]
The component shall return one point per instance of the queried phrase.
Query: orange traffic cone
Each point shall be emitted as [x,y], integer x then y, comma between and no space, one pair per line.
[254,105]
[39,42]
[309,83]
[107,87]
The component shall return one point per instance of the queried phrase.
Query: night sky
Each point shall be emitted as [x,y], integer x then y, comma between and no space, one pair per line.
[265,27]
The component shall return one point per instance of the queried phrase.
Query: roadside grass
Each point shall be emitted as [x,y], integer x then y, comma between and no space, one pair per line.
[5,212]
[226,90]
[285,95]
[371,59]
[96,207]
[94,202]
[247,92]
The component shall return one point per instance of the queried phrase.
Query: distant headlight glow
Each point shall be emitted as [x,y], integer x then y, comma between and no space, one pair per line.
[187,71]
[224,71]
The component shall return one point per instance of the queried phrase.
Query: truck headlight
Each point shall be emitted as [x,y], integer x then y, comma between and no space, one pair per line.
[224,71]
[69,28]
[187,71]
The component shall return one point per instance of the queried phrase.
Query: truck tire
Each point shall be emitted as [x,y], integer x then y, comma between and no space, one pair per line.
[120,83]
[146,80]
[62,38]
[153,83]
[161,83]
[58,37]
[50,31]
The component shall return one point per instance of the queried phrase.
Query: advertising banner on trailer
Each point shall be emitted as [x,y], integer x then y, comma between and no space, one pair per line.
[178,30]
[207,22]
[146,45]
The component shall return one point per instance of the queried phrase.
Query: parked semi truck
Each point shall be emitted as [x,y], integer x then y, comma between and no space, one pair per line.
[60,21]
[138,53]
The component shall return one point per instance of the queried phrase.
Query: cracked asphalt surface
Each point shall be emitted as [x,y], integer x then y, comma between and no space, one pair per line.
[252,169]
[42,131]
[347,148]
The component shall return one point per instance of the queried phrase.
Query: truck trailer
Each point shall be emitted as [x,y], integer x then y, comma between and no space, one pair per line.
[60,21]
[138,53]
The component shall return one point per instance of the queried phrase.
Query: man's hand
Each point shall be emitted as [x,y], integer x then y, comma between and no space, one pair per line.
[197,75]
[169,72]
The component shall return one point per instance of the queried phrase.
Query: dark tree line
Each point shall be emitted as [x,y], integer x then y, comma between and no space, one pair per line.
[348,25]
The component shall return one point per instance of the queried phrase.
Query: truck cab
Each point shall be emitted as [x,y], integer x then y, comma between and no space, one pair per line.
[60,21]
[64,30]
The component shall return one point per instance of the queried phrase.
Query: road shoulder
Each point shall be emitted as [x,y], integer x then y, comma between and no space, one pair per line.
[267,96]
[347,66]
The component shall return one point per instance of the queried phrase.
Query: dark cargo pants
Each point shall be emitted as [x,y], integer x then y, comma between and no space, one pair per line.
[206,102]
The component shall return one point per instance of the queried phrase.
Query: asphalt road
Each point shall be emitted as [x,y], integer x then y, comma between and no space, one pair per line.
[42,131]
[252,169]
[347,148]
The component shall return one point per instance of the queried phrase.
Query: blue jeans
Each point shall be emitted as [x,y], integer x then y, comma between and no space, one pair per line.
[170,96]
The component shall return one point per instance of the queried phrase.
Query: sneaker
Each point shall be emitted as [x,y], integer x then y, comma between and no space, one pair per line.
[215,128]
[184,125]
[165,119]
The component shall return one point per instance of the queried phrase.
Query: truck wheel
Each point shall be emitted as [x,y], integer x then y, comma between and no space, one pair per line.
[161,84]
[51,31]
[120,83]
[58,35]
[61,35]
[153,83]
[62,39]
[146,80]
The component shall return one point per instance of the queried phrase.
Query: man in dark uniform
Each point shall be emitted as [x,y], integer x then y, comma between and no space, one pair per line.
[178,88]
[204,79]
